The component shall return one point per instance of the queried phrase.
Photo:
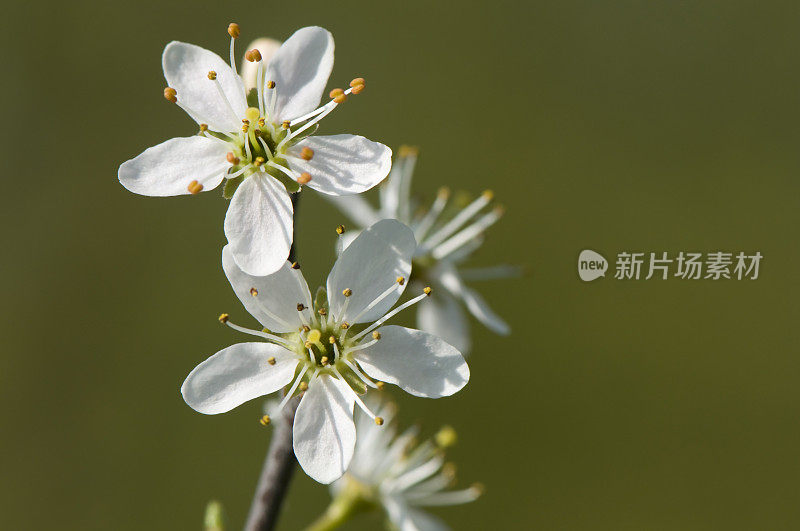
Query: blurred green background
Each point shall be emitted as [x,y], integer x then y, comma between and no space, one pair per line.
[637,125]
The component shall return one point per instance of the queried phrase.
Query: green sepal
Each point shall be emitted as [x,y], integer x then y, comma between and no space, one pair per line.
[231,185]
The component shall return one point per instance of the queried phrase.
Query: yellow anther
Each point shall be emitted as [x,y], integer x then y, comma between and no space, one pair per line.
[305,328]
[379,421]
[401,280]
[376,335]
[356,90]
[194,187]
[270,84]
[345,325]
[300,307]
[446,437]
[295,265]
[347,292]
[259,161]
[340,230]
[335,93]
[304,178]
[223,318]
[427,291]
[212,75]
[306,153]
[357,81]
[233,30]
[488,194]
[308,344]
[171,94]
[265,420]
[245,127]
[203,128]
[233,159]
[254,292]
[322,311]
[380,385]
[286,124]
[324,360]
[332,340]
[340,99]
[262,122]
[252,114]
[313,336]
[253,55]
[303,387]
[245,121]
[271,360]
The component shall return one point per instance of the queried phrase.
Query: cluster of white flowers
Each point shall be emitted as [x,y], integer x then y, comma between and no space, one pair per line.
[335,348]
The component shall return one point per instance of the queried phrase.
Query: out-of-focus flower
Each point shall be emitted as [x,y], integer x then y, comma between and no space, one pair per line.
[326,349]
[399,476]
[259,142]
[448,232]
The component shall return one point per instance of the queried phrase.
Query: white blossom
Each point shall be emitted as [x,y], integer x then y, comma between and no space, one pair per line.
[448,234]
[326,349]
[260,143]
[401,476]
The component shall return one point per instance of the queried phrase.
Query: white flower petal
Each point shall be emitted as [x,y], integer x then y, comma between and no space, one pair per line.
[408,519]
[442,315]
[476,304]
[369,266]
[259,225]
[168,168]
[324,431]
[186,69]
[342,164]
[419,363]
[300,69]
[237,374]
[249,71]
[276,297]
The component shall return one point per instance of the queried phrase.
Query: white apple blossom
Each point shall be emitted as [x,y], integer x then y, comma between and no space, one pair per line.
[326,349]
[260,143]
[448,234]
[399,476]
